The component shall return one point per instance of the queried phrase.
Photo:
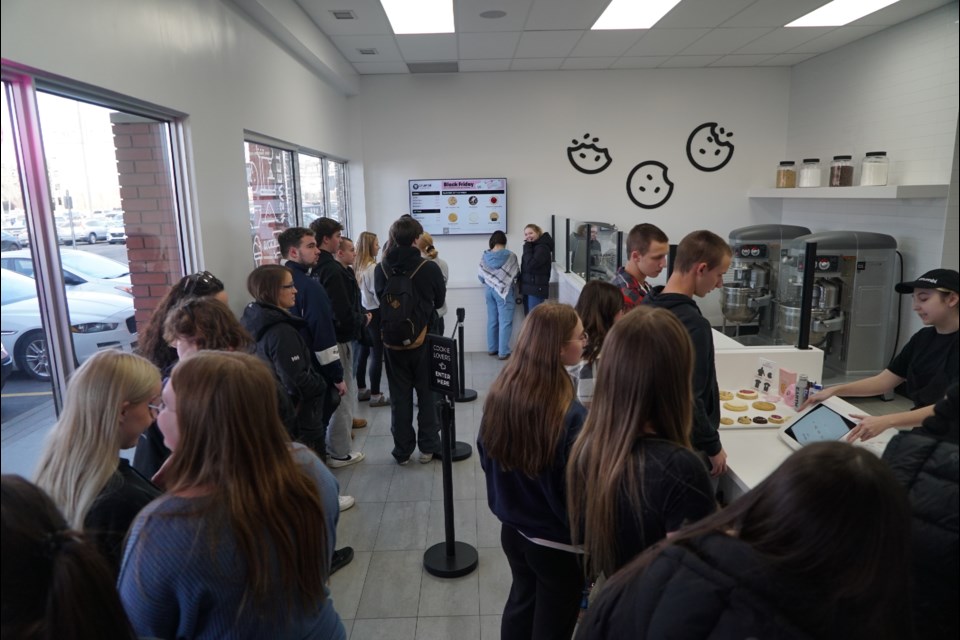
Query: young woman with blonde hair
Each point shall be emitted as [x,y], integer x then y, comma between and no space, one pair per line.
[632,477]
[368,245]
[242,541]
[428,251]
[530,419]
[110,402]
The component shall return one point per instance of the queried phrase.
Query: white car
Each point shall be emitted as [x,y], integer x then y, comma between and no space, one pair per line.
[82,270]
[98,321]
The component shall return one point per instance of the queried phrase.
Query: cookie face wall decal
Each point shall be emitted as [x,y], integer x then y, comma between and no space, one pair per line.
[648,185]
[587,157]
[709,147]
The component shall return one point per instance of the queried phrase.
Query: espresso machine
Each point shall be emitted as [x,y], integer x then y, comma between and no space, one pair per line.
[751,282]
[853,315]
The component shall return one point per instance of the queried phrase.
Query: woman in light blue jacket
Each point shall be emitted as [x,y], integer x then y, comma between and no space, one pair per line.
[498,269]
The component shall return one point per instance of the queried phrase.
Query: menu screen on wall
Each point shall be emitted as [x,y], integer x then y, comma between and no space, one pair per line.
[454,206]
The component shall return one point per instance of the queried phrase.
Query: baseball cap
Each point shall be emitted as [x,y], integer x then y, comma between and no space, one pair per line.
[936,279]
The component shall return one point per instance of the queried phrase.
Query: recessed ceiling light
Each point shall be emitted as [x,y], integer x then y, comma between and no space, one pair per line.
[419,16]
[631,14]
[343,14]
[493,13]
[840,12]
[367,52]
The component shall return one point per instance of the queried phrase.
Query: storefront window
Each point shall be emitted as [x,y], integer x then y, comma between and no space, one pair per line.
[270,189]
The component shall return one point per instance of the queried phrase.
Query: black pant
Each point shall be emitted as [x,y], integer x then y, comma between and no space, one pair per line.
[374,352]
[545,595]
[409,371]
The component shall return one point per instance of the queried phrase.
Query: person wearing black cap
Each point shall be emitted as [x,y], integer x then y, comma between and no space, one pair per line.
[929,363]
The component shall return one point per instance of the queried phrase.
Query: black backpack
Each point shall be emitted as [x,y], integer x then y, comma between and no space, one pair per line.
[402,314]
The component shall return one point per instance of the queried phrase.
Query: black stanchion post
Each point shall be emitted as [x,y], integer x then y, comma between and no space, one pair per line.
[450,558]
[806,295]
[466,395]
[671,259]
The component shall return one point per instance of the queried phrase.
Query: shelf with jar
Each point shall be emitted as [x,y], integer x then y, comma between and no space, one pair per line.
[888,192]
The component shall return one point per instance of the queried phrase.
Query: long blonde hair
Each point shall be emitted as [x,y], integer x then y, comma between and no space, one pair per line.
[366,256]
[523,414]
[643,390]
[234,448]
[82,451]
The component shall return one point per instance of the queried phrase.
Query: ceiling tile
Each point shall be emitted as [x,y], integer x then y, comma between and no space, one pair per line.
[722,41]
[588,63]
[485,65]
[741,61]
[371,18]
[557,15]
[786,59]
[639,62]
[432,46]
[783,39]
[898,12]
[547,44]
[474,46]
[606,43]
[688,61]
[665,42]
[836,38]
[370,68]
[386,46]
[536,64]
[466,15]
[702,13]
[773,13]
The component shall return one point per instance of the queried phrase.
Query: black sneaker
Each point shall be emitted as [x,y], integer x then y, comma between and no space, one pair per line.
[341,558]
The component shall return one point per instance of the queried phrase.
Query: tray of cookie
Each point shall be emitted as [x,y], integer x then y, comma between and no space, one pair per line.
[747,409]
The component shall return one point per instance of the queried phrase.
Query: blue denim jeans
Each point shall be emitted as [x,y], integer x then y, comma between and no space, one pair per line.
[529,302]
[499,322]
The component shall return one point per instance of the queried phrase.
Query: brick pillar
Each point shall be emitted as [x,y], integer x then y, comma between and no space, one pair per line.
[149,210]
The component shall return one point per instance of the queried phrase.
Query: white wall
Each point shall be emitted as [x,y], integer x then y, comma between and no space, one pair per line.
[518,125]
[201,58]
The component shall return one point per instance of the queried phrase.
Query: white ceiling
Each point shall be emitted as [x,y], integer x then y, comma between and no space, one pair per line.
[555,34]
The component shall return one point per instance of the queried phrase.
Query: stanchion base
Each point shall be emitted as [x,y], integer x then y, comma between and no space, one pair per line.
[468,395]
[461,451]
[438,563]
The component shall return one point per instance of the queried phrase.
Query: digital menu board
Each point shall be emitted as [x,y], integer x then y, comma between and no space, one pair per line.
[456,206]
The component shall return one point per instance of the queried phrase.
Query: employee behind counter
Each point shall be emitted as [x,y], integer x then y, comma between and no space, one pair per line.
[929,363]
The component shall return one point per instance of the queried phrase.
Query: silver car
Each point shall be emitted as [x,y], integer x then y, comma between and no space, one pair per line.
[82,270]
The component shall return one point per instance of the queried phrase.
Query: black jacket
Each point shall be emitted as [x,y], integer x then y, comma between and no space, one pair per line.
[341,286]
[930,470]
[281,345]
[313,305]
[711,587]
[428,283]
[535,267]
[706,405]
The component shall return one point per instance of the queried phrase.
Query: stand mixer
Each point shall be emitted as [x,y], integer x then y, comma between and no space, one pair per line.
[748,297]
[852,311]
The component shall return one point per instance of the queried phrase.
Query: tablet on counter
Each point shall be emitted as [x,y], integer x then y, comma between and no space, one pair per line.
[817,425]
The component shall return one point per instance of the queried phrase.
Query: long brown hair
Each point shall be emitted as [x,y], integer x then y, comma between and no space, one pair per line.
[234,447]
[366,256]
[264,282]
[209,323]
[598,306]
[523,413]
[834,523]
[643,390]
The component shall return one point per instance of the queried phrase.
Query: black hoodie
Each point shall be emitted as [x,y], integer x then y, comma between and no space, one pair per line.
[706,400]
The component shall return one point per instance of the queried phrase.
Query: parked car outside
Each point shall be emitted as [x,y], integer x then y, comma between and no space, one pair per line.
[6,361]
[84,230]
[82,270]
[117,234]
[9,242]
[98,321]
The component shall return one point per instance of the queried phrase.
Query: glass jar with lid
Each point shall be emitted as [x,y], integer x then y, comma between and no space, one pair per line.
[841,171]
[810,174]
[786,175]
[873,169]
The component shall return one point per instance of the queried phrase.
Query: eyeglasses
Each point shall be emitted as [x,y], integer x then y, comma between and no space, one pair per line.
[202,283]
[287,286]
[583,337]
[155,409]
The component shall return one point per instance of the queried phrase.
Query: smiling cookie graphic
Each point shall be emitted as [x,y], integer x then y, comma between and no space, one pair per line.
[648,185]
[587,157]
[708,147]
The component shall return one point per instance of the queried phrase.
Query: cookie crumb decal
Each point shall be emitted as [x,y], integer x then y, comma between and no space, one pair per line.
[648,185]
[709,147]
[587,157]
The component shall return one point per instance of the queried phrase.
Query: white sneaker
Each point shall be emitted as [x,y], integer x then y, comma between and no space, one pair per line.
[353,458]
[346,502]
[425,458]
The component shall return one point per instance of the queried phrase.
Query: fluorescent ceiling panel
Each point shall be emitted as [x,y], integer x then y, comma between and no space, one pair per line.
[840,12]
[419,16]
[630,14]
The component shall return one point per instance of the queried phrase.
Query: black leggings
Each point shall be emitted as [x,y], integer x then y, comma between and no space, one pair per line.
[373,353]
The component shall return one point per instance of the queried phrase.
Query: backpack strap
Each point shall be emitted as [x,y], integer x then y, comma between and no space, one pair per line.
[383,267]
